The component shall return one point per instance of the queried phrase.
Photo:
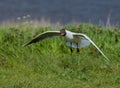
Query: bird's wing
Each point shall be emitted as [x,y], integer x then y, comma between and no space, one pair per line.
[81,44]
[42,36]
[85,36]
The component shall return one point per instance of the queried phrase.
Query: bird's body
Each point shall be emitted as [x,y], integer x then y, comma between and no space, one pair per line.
[74,40]
[69,36]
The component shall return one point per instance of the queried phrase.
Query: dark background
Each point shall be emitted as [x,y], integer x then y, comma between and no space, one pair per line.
[63,11]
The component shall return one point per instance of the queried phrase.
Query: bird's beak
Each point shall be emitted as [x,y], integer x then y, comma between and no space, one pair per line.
[62,34]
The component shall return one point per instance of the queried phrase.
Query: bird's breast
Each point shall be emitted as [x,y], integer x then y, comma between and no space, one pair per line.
[69,37]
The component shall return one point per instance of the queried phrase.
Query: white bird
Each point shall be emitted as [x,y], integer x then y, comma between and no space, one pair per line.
[75,40]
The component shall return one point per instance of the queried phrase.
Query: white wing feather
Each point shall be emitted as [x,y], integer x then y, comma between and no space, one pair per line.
[80,34]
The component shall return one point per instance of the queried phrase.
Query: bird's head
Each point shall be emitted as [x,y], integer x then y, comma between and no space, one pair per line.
[62,32]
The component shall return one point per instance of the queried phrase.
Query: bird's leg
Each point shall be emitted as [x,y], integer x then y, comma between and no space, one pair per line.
[78,48]
[71,48]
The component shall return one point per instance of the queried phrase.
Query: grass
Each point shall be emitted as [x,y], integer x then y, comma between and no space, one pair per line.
[50,64]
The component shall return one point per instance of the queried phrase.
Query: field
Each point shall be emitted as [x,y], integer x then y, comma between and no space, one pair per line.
[50,64]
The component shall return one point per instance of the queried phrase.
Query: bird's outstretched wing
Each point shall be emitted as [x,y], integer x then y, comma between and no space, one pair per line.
[83,43]
[42,36]
[85,36]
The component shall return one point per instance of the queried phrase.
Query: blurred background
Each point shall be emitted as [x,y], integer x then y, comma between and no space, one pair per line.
[63,11]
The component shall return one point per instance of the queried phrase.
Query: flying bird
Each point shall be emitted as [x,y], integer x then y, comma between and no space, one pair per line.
[74,40]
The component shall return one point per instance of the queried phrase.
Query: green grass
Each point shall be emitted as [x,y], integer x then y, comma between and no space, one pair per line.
[50,64]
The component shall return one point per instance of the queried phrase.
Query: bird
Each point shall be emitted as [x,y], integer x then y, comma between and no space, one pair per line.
[73,40]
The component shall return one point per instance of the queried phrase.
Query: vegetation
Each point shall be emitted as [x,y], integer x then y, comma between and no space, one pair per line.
[50,64]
